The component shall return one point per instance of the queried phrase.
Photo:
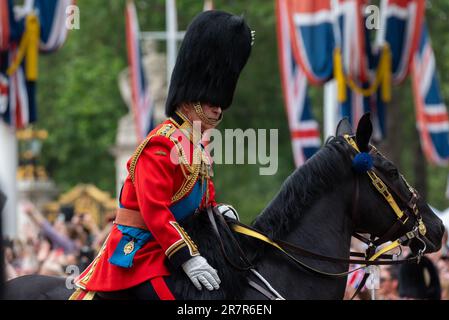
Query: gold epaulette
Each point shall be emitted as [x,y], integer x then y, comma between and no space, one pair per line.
[166,130]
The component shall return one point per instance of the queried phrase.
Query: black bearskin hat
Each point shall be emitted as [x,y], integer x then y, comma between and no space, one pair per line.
[419,281]
[214,51]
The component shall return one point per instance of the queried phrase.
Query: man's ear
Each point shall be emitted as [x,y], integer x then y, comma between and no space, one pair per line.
[364,132]
[344,127]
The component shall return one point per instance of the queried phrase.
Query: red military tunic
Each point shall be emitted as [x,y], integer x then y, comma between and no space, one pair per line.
[164,175]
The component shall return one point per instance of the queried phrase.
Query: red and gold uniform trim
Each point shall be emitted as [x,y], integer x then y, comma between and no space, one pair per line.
[193,249]
[175,247]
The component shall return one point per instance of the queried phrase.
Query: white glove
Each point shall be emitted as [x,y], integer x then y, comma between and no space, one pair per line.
[228,211]
[201,273]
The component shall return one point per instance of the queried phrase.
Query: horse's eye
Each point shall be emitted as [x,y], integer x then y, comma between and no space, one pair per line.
[393,172]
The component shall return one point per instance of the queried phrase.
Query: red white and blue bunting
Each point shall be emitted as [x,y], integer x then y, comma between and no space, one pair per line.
[401,22]
[304,129]
[431,112]
[329,39]
[21,108]
[351,38]
[362,67]
[52,17]
[41,28]
[311,30]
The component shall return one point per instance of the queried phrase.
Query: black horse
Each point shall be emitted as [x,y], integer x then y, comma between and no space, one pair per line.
[315,209]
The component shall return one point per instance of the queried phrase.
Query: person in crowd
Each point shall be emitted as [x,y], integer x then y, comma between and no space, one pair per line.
[57,233]
[389,282]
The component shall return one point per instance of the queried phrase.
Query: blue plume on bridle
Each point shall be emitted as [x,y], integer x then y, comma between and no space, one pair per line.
[362,162]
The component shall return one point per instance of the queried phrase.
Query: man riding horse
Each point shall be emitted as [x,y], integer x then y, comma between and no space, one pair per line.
[170,173]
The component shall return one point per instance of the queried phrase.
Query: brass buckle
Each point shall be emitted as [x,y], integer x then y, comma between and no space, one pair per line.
[411,234]
[404,218]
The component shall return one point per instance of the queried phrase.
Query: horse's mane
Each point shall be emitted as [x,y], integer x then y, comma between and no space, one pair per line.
[303,188]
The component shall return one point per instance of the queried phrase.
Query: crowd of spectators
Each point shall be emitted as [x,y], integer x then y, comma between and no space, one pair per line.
[49,248]
[428,280]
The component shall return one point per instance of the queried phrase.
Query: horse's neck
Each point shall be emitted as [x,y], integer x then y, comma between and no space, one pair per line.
[325,229]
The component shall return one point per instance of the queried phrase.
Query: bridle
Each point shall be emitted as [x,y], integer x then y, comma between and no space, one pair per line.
[406,211]
[390,193]
[403,216]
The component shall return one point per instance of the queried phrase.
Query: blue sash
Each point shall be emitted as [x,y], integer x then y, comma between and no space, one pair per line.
[134,238]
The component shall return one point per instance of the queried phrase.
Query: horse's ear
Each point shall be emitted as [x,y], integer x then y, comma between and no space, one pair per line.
[344,127]
[364,131]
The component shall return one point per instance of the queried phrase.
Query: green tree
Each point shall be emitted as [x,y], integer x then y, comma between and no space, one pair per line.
[78,98]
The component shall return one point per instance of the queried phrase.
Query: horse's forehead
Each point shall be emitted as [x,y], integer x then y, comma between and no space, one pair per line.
[381,161]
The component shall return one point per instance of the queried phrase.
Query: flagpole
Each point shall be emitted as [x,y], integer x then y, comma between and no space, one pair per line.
[330,108]
[330,88]
[8,183]
[172,30]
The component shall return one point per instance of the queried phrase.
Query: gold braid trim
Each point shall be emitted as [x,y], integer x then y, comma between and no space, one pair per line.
[88,296]
[193,170]
[199,111]
[193,249]
[76,294]
[175,247]
[187,128]
[166,131]
[191,179]
[136,155]
[83,281]
[182,155]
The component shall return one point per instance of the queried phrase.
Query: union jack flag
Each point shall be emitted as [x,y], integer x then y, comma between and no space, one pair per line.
[351,37]
[304,129]
[402,21]
[431,112]
[18,105]
[18,92]
[356,105]
[312,35]
[142,105]
[21,108]
[360,63]
[52,17]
